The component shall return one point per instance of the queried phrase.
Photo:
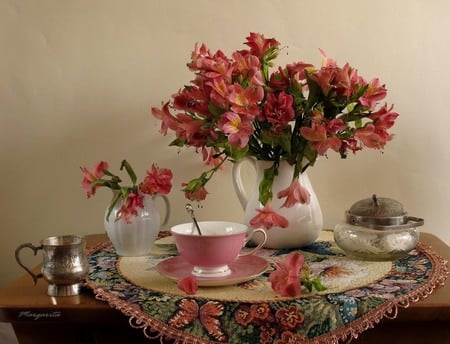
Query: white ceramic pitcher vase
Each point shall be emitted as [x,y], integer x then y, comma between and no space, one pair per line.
[136,238]
[305,220]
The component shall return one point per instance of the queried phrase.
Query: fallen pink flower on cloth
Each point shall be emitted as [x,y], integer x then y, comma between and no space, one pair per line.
[188,285]
[285,279]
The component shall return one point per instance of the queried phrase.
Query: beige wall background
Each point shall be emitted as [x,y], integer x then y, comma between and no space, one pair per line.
[78,79]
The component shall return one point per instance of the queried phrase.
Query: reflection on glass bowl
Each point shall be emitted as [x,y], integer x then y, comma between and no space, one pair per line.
[373,244]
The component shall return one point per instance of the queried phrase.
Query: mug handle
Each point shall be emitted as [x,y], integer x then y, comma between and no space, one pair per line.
[35,250]
[167,215]
[261,244]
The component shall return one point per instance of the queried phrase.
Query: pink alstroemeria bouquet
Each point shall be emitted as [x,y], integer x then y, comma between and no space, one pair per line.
[235,107]
[157,181]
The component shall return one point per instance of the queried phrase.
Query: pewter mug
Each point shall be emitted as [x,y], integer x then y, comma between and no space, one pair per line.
[64,264]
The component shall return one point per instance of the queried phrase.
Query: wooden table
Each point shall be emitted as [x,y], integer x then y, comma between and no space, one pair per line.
[38,318]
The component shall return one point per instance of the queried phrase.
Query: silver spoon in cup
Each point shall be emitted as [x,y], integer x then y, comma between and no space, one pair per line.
[190,210]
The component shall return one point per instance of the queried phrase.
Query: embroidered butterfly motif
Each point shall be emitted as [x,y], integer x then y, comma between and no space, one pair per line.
[348,306]
[208,314]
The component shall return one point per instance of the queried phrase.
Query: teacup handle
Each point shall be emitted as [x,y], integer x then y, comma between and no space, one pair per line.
[261,244]
[35,250]
[167,204]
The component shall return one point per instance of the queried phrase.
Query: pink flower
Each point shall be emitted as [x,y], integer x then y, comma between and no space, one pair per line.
[168,121]
[322,147]
[129,207]
[318,139]
[375,135]
[374,92]
[297,70]
[245,100]
[158,180]
[369,137]
[219,93]
[191,99]
[197,193]
[188,285]
[349,144]
[259,45]
[285,279]
[237,127]
[278,110]
[248,67]
[335,125]
[89,177]
[197,54]
[213,158]
[324,78]
[294,193]
[210,66]
[384,118]
[279,80]
[268,218]
[190,130]
[326,61]
[315,133]
[346,81]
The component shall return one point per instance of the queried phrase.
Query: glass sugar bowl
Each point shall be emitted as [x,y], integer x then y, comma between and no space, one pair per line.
[377,229]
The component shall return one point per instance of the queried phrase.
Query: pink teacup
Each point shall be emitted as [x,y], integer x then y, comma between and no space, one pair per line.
[219,245]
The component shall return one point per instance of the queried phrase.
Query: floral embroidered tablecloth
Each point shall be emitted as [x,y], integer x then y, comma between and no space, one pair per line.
[359,294]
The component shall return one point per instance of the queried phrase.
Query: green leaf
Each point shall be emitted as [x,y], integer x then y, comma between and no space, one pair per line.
[315,91]
[129,170]
[317,283]
[265,187]
[100,182]
[312,284]
[193,185]
[215,110]
[271,54]
[220,142]
[265,71]
[239,153]
[349,108]
[235,153]
[296,91]
[360,92]
[266,137]
[309,154]
[107,173]
[244,83]
[285,140]
[119,195]
[306,282]
[178,143]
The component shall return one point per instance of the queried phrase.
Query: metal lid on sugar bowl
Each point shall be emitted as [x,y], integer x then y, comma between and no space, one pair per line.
[380,213]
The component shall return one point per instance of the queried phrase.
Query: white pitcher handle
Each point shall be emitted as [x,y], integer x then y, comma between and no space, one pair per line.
[237,180]
[167,215]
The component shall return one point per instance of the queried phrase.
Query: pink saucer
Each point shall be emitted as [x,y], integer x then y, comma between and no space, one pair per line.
[243,269]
